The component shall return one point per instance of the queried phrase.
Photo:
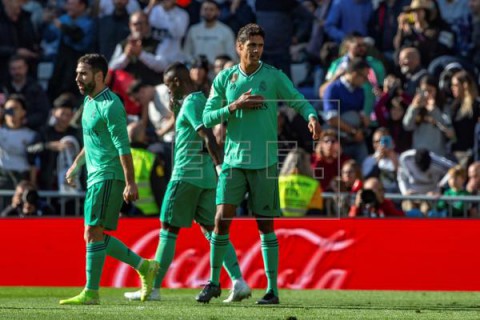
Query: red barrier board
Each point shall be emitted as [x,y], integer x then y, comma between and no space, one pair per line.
[336,254]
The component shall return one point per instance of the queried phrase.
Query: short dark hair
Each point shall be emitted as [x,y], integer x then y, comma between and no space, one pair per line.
[18,98]
[17,57]
[65,100]
[423,159]
[357,65]
[248,31]
[200,62]
[96,61]
[180,70]
[215,3]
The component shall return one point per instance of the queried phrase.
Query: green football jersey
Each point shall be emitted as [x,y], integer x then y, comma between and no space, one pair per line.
[104,123]
[192,163]
[251,141]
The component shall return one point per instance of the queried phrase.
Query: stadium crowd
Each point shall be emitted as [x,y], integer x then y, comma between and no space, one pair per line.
[395,82]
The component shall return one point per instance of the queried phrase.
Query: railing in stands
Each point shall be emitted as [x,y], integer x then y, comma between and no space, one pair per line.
[333,202]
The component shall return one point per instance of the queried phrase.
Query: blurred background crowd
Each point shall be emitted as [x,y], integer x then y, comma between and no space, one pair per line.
[395,82]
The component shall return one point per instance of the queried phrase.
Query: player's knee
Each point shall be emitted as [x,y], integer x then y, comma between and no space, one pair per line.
[93,234]
[265,225]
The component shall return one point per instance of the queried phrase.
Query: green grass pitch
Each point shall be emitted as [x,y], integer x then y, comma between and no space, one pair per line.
[42,303]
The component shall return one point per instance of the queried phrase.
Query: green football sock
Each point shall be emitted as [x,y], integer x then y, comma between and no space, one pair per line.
[230,262]
[218,248]
[270,259]
[96,254]
[118,250]
[164,254]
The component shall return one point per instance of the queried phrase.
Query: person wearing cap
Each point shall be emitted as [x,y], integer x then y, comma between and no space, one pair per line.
[416,29]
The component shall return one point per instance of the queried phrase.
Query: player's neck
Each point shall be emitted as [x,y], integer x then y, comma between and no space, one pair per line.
[250,68]
[97,91]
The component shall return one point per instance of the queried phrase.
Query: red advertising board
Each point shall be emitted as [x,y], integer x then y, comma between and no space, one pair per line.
[316,254]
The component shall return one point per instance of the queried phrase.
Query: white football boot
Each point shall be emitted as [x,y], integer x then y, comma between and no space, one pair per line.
[136,295]
[240,290]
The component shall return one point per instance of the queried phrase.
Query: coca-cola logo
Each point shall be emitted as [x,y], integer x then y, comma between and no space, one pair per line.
[307,260]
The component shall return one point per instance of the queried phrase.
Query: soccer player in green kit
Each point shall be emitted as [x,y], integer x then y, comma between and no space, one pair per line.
[190,193]
[246,96]
[106,154]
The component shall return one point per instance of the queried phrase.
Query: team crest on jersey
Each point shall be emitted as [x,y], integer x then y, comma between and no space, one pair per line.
[262,86]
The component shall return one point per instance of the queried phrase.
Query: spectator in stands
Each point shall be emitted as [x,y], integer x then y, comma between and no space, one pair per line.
[357,48]
[456,182]
[456,14]
[108,7]
[112,27]
[210,37]
[27,203]
[277,44]
[370,202]
[473,183]
[35,9]
[300,194]
[409,61]
[474,6]
[156,101]
[35,97]
[431,127]
[140,54]
[14,139]
[421,172]
[383,26]
[149,174]
[17,36]
[465,115]
[59,145]
[389,112]
[347,16]
[348,115]
[350,180]
[416,29]
[219,63]
[76,31]
[236,13]
[169,27]
[199,74]
[327,159]
[318,36]
[383,163]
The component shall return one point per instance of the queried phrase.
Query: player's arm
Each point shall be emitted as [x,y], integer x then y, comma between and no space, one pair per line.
[210,142]
[296,100]
[74,169]
[130,193]
[116,120]
[215,112]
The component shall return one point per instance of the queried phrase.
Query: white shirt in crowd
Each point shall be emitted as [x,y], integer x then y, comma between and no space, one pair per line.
[210,42]
[13,148]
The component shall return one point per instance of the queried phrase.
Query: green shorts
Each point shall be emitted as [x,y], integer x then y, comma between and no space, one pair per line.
[103,202]
[261,185]
[184,202]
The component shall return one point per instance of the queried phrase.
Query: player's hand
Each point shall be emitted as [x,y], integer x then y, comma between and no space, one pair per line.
[130,193]
[315,128]
[249,101]
[71,175]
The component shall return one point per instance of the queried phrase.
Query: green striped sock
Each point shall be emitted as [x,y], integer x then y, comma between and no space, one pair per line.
[96,254]
[218,247]
[230,262]
[118,250]
[270,260]
[164,254]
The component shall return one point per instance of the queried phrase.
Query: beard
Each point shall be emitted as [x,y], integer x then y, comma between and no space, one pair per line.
[86,88]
